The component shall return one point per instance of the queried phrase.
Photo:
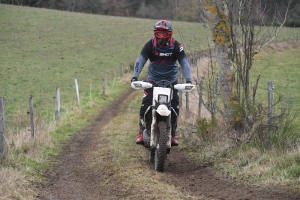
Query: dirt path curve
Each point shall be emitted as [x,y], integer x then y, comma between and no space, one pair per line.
[74,177]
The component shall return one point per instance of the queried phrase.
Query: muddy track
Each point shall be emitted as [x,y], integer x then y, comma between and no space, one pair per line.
[75,178]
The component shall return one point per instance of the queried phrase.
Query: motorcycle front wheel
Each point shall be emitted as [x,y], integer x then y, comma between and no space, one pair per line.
[151,155]
[161,146]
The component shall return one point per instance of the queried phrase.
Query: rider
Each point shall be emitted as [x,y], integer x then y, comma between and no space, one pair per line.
[163,51]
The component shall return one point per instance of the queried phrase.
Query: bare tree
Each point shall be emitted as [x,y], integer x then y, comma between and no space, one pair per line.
[239,32]
[215,17]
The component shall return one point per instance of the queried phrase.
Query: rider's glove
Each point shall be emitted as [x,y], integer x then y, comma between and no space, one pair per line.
[134,79]
[189,82]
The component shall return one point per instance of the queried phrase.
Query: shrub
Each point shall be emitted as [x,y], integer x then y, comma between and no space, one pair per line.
[293,23]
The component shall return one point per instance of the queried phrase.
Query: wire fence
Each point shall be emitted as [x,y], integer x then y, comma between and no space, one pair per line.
[5,121]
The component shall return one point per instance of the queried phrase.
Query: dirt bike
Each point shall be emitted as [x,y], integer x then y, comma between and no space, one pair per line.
[157,132]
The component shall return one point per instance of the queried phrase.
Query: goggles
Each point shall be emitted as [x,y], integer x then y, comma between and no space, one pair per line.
[161,34]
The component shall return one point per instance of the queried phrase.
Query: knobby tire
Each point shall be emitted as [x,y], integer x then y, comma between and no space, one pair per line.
[161,151]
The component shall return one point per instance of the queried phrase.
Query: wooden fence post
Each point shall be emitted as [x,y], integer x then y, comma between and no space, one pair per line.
[115,76]
[77,91]
[200,97]
[121,69]
[187,102]
[2,129]
[270,107]
[31,116]
[180,98]
[104,84]
[57,104]
[91,82]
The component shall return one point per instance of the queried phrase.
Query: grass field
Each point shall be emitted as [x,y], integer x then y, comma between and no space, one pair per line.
[42,49]
[282,68]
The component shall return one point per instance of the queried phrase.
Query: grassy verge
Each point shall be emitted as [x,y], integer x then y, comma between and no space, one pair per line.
[247,164]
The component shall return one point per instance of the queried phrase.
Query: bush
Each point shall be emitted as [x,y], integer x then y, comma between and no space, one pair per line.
[206,129]
[293,23]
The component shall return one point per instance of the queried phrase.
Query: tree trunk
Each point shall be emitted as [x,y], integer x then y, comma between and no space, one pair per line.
[217,15]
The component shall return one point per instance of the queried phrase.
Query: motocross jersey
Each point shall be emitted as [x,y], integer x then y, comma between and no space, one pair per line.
[163,65]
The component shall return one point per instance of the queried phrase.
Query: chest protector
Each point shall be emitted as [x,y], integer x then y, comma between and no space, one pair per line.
[171,43]
[166,54]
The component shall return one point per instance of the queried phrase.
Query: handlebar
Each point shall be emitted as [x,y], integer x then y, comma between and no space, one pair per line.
[141,85]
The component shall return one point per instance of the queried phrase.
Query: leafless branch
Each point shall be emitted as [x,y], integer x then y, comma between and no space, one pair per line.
[277,31]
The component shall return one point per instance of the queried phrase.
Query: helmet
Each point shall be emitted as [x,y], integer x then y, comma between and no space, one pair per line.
[163,25]
[163,32]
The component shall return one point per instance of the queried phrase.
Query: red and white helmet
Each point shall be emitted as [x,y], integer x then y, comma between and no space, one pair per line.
[163,32]
[163,29]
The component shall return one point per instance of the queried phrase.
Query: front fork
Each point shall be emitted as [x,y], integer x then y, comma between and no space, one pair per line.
[154,129]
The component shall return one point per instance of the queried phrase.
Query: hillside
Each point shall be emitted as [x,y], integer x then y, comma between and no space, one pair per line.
[155,9]
[49,48]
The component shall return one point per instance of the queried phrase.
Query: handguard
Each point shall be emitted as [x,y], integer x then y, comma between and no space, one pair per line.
[140,85]
[186,87]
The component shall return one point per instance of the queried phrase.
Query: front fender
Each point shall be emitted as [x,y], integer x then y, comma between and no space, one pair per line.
[163,110]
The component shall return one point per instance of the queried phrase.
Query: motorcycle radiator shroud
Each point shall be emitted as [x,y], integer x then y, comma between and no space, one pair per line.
[162,97]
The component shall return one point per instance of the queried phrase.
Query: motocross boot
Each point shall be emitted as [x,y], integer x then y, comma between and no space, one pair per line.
[140,139]
[174,141]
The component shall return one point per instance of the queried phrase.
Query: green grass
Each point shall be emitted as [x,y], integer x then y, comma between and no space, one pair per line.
[283,69]
[42,49]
